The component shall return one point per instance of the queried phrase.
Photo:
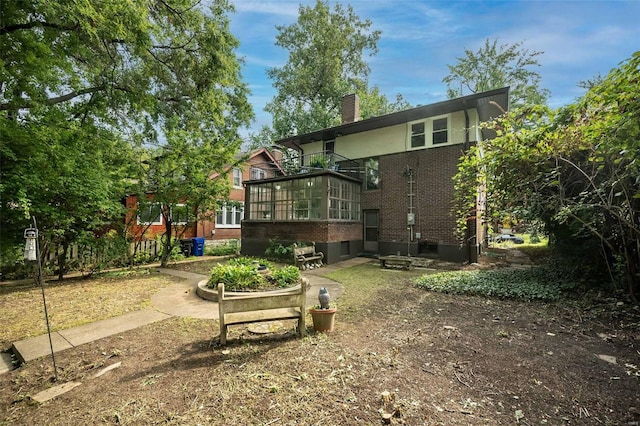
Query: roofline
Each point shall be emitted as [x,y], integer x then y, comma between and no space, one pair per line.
[417,113]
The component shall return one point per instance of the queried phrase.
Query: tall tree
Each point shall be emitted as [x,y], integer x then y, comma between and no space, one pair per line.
[326,61]
[494,66]
[78,78]
[183,179]
[575,169]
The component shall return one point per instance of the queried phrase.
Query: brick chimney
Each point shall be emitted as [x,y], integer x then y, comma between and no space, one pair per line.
[350,108]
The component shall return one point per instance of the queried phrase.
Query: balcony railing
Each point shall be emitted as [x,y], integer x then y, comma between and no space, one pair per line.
[323,160]
[309,163]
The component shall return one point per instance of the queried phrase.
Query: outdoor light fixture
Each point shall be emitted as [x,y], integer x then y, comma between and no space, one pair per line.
[32,253]
[30,249]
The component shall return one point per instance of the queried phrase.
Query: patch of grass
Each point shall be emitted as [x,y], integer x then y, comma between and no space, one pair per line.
[363,283]
[524,284]
[72,302]
[529,241]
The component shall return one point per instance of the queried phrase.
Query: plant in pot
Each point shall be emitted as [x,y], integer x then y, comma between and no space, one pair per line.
[323,314]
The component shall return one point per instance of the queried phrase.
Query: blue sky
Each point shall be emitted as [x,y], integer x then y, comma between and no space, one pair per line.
[580,39]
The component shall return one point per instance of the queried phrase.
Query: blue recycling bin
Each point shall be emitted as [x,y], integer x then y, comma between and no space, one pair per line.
[198,246]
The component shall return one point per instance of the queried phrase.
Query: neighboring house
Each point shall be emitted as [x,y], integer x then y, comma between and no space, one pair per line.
[261,164]
[258,164]
[376,186]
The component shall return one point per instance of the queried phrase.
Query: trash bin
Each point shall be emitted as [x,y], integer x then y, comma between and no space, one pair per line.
[198,246]
[186,247]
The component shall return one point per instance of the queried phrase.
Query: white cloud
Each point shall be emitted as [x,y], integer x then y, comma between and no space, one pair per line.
[277,8]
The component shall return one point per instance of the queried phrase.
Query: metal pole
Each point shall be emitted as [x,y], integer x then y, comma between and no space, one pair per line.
[44,300]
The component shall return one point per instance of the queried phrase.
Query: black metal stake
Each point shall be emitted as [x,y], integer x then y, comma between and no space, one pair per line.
[44,300]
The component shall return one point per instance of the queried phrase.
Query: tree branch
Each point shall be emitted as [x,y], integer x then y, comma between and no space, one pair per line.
[27,103]
[33,24]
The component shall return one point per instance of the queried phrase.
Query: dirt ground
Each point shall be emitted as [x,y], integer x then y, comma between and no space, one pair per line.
[407,357]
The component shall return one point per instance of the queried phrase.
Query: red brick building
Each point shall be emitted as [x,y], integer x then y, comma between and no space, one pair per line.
[377,186]
[259,164]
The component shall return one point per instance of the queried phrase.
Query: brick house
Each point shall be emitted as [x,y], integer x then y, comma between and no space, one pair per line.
[377,186]
[258,164]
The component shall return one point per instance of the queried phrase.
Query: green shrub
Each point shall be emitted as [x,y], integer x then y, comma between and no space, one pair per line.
[241,274]
[250,261]
[285,276]
[225,249]
[236,277]
[277,251]
[525,284]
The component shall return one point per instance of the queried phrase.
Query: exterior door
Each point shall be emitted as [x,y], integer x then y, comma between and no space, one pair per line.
[371,231]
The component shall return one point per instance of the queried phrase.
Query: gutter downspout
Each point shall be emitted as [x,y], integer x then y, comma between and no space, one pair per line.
[472,254]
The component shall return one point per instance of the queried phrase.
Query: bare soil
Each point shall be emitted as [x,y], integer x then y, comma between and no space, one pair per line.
[405,356]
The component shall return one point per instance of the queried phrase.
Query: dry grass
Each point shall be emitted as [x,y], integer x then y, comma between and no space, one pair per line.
[72,302]
[398,354]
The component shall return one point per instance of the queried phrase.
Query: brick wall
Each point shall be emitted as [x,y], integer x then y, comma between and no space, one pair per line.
[433,194]
[326,235]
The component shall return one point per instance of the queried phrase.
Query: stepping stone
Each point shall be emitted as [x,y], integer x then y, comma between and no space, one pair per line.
[266,327]
[51,393]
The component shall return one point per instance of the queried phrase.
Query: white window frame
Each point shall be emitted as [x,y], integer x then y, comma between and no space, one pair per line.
[186,210]
[236,175]
[448,130]
[149,206]
[428,132]
[257,173]
[224,210]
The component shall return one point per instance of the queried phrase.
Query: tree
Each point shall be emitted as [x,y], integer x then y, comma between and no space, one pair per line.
[184,179]
[79,78]
[575,169]
[373,103]
[494,66]
[326,50]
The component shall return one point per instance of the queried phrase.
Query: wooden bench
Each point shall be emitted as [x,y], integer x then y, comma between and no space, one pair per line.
[248,307]
[307,257]
[396,261]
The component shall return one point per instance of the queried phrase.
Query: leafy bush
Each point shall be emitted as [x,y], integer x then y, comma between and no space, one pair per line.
[277,251]
[250,261]
[176,254]
[525,284]
[285,276]
[236,277]
[241,274]
[228,248]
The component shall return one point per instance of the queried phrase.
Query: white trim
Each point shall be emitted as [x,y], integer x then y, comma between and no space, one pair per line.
[223,213]
[233,177]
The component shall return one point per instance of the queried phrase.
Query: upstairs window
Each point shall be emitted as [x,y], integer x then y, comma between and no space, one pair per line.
[440,131]
[257,173]
[237,177]
[417,134]
[428,133]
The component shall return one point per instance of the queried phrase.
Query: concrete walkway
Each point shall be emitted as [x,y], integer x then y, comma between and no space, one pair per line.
[178,299]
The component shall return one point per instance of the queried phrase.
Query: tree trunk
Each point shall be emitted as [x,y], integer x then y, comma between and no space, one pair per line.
[62,260]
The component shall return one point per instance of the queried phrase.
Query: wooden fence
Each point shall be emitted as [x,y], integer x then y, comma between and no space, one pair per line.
[89,255]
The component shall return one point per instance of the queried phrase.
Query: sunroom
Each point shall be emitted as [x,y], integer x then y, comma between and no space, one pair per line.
[321,206]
